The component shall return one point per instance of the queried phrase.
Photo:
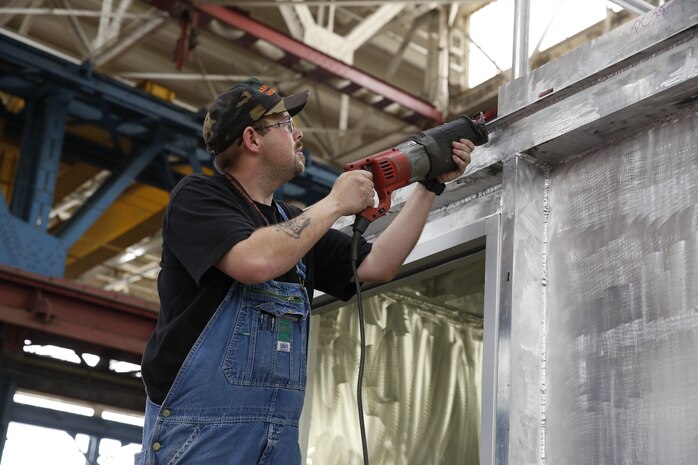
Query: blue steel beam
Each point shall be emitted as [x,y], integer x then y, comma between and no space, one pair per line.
[25,247]
[40,155]
[108,192]
[97,101]
[34,64]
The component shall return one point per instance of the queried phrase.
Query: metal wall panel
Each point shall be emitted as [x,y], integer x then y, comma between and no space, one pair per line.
[603,55]
[597,282]
[622,316]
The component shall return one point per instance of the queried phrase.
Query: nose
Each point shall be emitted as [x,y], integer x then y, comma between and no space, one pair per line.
[297,134]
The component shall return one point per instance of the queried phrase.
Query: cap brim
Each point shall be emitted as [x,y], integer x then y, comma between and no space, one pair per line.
[293,104]
[296,102]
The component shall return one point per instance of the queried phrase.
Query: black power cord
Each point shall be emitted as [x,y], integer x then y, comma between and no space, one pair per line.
[362,332]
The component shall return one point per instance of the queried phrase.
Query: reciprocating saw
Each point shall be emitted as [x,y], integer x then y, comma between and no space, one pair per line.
[425,155]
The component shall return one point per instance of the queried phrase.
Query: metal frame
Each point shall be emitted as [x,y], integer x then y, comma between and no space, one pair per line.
[490,402]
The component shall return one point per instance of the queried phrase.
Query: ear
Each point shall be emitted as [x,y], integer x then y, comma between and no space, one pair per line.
[250,139]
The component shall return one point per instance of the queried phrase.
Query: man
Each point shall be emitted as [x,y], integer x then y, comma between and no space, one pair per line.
[225,369]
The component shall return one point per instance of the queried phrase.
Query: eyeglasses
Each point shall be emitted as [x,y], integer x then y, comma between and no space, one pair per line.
[285,122]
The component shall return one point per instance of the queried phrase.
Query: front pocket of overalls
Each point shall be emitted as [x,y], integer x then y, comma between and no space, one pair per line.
[176,442]
[268,345]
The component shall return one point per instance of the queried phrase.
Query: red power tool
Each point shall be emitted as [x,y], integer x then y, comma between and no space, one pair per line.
[423,156]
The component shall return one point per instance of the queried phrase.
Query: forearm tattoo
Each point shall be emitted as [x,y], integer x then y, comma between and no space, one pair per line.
[293,227]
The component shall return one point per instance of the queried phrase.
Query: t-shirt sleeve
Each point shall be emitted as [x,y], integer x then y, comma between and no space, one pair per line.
[332,261]
[202,224]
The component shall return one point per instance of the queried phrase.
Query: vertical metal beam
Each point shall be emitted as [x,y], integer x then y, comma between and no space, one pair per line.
[92,454]
[519,62]
[70,232]
[443,61]
[42,142]
[490,341]
[519,432]
[7,392]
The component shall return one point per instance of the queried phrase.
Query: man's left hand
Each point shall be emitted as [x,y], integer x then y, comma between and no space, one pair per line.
[461,157]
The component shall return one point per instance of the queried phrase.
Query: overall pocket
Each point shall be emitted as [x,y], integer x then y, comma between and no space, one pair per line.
[268,345]
[177,443]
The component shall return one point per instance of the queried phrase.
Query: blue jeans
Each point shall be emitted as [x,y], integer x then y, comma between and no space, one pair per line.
[239,393]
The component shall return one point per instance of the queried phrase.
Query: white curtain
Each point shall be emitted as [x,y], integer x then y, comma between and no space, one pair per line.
[422,380]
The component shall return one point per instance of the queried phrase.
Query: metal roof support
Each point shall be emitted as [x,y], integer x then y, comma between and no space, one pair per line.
[81,79]
[372,25]
[118,43]
[42,142]
[77,29]
[108,192]
[103,29]
[324,67]
[6,18]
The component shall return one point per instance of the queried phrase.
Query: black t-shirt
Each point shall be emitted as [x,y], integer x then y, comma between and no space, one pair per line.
[205,218]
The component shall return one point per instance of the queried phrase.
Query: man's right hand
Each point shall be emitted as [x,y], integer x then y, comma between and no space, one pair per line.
[353,192]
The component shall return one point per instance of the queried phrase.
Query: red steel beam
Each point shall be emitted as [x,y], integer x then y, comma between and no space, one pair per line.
[67,309]
[424,112]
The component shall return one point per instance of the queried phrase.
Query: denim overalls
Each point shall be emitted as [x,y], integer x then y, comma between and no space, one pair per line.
[239,394]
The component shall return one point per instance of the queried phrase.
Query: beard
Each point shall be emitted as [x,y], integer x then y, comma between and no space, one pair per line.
[300,164]
[286,172]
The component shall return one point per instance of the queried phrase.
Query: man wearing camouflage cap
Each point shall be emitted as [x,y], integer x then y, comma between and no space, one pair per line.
[225,369]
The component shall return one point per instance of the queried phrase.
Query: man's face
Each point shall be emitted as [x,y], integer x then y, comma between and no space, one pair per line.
[282,147]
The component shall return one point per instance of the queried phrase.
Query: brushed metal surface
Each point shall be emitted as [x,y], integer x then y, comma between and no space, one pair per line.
[622,320]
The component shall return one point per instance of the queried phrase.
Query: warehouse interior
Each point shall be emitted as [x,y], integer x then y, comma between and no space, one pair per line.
[102,107]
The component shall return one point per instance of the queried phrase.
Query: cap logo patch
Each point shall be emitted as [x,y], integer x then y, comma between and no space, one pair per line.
[266,89]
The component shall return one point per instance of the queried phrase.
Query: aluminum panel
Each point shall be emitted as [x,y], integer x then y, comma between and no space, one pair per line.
[519,402]
[601,54]
[623,302]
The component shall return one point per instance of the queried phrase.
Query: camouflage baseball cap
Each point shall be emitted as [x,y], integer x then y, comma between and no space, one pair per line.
[241,106]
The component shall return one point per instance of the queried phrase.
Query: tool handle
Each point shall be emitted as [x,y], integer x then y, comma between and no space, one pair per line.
[390,170]
[437,142]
